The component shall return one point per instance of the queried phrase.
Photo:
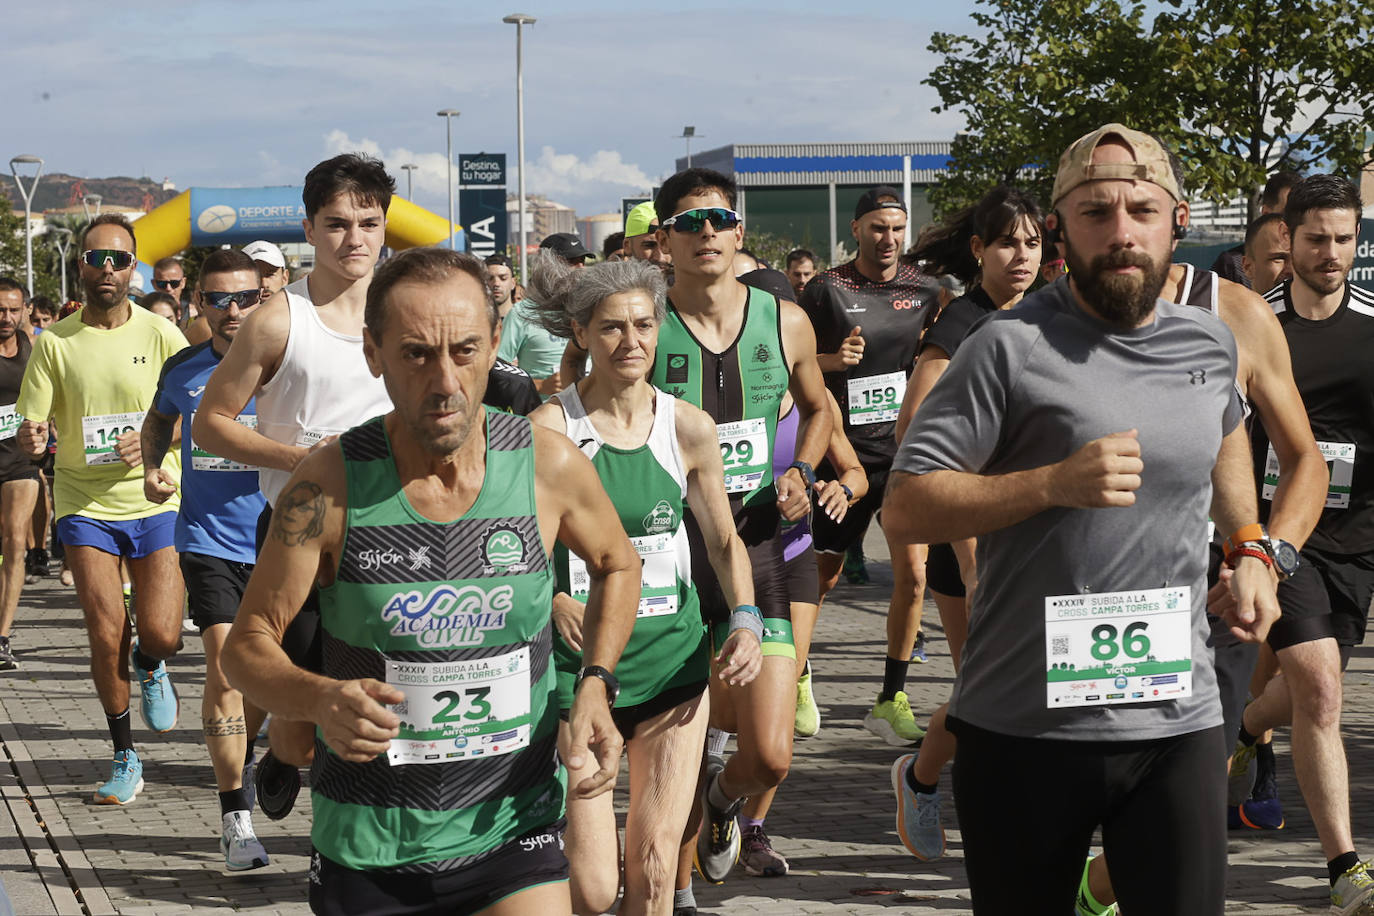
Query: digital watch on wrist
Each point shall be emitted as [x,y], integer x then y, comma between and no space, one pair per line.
[610,680]
[1284,555]
[808,474]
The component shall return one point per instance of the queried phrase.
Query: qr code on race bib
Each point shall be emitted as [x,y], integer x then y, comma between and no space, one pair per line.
[1059,645]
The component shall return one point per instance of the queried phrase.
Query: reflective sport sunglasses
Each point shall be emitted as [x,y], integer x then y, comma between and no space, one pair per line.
[244,299]
[96,257]
[695,220]
[168,284]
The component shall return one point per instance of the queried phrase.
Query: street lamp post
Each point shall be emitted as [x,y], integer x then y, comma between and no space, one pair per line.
[519,20]
[689,133]
[62,238]
[91,202]
[37,162]
[448,114]
[410,168]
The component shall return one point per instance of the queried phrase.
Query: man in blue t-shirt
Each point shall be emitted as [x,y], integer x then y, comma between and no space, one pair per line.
[220,505]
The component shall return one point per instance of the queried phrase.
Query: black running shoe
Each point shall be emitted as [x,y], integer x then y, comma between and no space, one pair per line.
[277,785]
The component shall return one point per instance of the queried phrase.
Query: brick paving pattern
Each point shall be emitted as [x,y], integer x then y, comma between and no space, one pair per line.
[833,819]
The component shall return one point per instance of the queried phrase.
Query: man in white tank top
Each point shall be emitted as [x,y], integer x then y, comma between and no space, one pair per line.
[301,353]
[301,356]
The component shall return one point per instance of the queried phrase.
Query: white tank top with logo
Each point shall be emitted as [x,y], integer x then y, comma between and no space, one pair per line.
[322,387]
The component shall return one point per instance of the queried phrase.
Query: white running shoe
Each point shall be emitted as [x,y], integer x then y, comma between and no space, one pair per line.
[240,845]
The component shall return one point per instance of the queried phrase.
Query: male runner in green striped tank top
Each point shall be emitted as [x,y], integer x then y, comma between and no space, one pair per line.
[435,777]
[734,352]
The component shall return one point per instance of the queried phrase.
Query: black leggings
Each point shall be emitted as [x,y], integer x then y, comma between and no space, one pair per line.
[1028,807]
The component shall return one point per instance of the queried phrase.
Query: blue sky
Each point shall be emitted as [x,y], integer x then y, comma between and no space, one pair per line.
[252,93]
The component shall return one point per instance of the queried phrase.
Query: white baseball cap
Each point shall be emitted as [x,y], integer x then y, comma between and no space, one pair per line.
[265,252]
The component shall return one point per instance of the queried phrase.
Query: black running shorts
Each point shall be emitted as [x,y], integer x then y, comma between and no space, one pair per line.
[214,588]
[837,537]
[534,859]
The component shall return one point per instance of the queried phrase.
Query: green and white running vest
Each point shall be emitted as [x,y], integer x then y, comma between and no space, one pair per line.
[457,616]
[648,487]
[742,390]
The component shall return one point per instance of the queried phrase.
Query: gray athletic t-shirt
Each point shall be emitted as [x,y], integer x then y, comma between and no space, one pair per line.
[1027,389]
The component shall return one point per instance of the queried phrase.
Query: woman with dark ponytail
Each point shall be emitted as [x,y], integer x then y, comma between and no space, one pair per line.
[994,248]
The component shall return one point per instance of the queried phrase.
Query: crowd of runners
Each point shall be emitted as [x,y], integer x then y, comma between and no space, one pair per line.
[457,540]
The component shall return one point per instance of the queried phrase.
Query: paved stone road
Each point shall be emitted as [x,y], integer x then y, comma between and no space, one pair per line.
[833,819]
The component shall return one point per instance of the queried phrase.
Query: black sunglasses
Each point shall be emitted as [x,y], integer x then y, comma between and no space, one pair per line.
[97,258]
[168,284]
[695,220]
[244,299]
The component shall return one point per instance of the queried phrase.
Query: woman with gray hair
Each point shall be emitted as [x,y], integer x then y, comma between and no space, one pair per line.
[656,455]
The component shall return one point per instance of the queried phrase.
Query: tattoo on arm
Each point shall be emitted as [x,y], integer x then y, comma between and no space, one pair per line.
[225,727]
[157,437]
[299,514]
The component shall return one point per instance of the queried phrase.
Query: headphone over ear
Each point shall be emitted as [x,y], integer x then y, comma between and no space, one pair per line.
[1180,230]
[1052,233]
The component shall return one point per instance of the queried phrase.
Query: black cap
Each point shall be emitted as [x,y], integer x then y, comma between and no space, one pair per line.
[566,245]
[870,201]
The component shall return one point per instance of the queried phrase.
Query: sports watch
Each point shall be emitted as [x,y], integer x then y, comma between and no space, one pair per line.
[1284,555]
[610,680]
[808,474]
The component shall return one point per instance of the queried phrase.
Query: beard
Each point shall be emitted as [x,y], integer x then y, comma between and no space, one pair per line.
[1320,283]
[103,299]
[1121,300]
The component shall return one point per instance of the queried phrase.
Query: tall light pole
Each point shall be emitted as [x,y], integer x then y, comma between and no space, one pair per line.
[410,168]
[62,238]
[448,114]
[519,20]
[91,202]
[689,133]
[37,163]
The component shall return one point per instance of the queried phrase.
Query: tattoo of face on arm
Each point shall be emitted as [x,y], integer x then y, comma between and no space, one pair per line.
[299,514]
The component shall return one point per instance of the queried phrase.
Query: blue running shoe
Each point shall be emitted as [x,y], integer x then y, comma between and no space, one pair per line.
[159,701]
[126,780]
[918,815]
[918,651]
[1259,814]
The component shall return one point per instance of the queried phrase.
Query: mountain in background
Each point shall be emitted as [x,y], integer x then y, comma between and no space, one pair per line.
[57,191]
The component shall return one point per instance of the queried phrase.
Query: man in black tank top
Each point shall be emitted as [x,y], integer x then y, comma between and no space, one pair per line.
[18,474]
[869,315]
[1329,326]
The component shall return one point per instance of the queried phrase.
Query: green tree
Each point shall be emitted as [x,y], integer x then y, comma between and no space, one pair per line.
[1043,73]
[1238,89]
[45,277]
[1269,86]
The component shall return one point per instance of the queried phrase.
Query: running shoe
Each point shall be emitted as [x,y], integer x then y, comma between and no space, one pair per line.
[918,814]
[126,780]
[36,566]
[718,841]
[685,911]
[918,651]
[247,782]
[1262,810]
[240,845]
[808,719]
[66,577]
[159,700]
[1353,892]
[1085,904]
[277,786]
[758,856]
[7,660]
[892,721]
[1241,781]
[855,572]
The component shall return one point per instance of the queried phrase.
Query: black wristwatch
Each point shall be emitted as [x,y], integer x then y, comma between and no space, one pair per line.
[1284,555]
[808,474]
[610,680]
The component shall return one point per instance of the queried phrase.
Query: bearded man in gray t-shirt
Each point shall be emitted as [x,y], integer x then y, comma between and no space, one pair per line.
[1084,437]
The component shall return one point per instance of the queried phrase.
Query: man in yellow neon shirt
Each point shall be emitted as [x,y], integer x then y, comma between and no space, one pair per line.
[94,375]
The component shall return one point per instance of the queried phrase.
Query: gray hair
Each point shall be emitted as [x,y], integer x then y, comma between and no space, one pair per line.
[562,294]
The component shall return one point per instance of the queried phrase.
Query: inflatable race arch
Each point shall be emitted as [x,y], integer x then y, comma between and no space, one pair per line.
[237,216]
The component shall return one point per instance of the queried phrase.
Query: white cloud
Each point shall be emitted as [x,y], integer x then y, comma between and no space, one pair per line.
[565,177]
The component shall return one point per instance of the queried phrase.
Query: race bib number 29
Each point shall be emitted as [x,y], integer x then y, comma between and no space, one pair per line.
[744,451]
